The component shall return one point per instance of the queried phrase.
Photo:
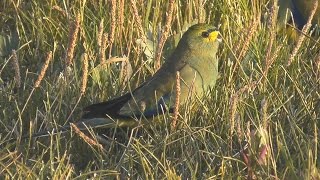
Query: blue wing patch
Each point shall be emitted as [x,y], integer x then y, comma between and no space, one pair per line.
[164,105]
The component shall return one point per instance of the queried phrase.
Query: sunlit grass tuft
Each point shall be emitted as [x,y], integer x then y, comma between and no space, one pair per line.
[260,121]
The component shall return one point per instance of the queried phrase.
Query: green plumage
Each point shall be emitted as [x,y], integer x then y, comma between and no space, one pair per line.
[298,10]
[296,13]
[195,59]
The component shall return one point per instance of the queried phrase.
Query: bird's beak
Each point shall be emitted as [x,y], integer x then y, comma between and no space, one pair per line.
[219,38]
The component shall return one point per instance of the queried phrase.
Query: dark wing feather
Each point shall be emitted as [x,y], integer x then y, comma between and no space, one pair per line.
[165,75]
[110,108]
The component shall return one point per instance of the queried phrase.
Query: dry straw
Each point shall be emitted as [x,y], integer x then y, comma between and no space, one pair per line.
[177,101]
[120,23]
[201,11]
[104,45]
[318,63]
[250,32]
[272,35]
[40,77]
[305,30]
[165,33]
[263,113]
[113,25]
[59,9]
[234,100]
[233,112]
[272,58]
[44,69]
[84,79]
[73,34]
[117,59]
[85,137]
[126,72]
[138,20]
[121,13]
[270,62]
[16,68]
[100,33]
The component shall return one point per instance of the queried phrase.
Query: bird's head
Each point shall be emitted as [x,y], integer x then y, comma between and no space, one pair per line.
[201,37]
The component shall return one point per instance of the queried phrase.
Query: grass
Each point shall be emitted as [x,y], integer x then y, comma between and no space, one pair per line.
[260,121]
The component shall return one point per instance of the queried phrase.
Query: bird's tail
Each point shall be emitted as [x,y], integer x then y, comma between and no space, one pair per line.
[84,124]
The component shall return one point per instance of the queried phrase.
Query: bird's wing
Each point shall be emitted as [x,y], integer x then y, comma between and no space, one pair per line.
[149,99]
[156,95]
[110,108]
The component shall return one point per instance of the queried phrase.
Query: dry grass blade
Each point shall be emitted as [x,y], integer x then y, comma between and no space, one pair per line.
[84,78]
[113,25]
[235,99]
[100,34]
[263,112]
[121,13]
[73,36]
[40,77]
[165,34]
[102,50]
[177,102]
[138,20]
[272,34]
[59,9]
[85,137]
[249,36]
[16,68]
[318,64]
[43,69]
[279,105]
[126,72]
[250,32]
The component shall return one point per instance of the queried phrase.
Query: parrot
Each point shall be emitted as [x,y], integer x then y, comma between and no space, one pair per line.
[195,58]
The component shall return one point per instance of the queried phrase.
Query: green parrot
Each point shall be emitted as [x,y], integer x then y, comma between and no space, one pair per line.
[300,10]
[195,59]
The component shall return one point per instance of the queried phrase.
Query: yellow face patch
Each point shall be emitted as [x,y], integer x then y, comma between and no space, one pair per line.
[213,35]
[210,36]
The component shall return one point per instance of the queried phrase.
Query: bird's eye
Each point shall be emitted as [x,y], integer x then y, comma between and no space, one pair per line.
[205,34]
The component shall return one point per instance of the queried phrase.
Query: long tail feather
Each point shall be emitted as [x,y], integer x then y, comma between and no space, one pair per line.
[85,124]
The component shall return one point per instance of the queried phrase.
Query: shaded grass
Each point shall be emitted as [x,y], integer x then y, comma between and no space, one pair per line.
[248,113]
